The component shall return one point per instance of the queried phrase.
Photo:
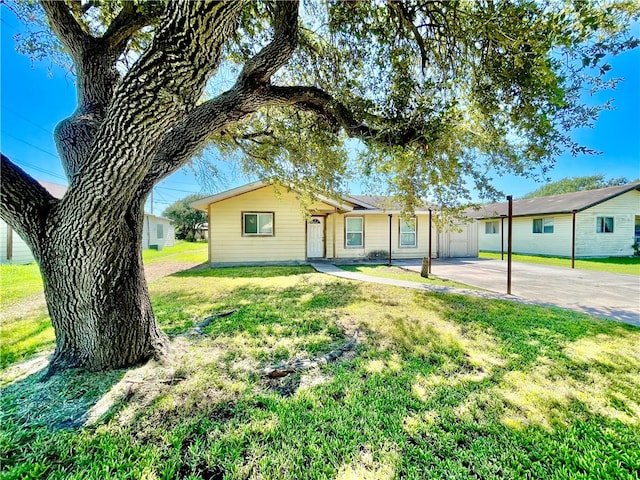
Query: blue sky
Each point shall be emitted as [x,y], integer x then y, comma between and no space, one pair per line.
[36,96]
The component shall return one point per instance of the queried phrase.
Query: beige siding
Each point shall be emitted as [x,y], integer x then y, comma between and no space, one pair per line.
[20,251]
[557,243]
[460,240]
[288,244]
[491,241]
[376,237]
[623,209]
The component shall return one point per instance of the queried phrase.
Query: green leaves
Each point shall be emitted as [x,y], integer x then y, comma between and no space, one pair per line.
[186,218]
[441,94]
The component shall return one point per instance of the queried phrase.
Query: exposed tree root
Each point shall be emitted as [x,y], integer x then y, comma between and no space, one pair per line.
[198,329]
[298,365]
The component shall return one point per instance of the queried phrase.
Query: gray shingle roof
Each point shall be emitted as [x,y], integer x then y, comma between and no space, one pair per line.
[380,202]
[565,203]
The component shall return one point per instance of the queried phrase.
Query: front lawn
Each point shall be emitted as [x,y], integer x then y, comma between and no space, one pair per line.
[627,265]
[18,282]
[396,273]
[438,386]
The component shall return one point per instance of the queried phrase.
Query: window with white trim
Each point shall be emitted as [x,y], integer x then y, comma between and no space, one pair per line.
[604,224]
[408,233]
[354,232]
[257,224]
[543,225]
[492,227]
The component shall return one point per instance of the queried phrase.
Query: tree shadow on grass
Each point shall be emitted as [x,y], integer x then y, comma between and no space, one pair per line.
[426,397]
[300,309]
[60,402]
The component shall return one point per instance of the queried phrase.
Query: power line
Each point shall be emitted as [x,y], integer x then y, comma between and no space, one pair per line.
[19,115]
[176,189]
[38,169]
[31,145]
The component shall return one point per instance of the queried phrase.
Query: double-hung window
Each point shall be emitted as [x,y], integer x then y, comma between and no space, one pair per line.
[408,233]
[543,225]
[604,224]
[354,232]
[492,227]
[257,224]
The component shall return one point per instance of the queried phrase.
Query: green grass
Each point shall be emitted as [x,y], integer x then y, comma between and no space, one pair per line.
[29,331]
[181,252]
[627,265]
[18,282]
[397,273]
[440,386]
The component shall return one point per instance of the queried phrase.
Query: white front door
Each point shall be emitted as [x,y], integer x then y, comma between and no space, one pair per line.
[315,237]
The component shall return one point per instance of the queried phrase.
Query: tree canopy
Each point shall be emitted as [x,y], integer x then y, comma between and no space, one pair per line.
[438,96]
[185,218]
[576,184]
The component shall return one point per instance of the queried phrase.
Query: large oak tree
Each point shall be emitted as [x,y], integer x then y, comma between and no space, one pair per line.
[438,93]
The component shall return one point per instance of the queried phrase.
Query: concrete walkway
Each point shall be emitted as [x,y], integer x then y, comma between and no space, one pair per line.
[331,269]
[629,312]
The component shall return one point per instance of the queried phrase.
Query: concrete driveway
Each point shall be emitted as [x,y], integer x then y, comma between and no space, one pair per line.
[608,295]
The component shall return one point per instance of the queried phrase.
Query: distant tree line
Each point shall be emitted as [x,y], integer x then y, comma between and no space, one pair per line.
[576,184]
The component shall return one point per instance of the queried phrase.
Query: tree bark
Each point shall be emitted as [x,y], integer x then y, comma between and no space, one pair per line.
[97,295]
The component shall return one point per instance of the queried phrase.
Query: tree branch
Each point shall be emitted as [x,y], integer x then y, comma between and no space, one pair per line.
[23,201]
[131,19]
[160,90]
[315,100]
[67,28]
[271,58]
[191,134]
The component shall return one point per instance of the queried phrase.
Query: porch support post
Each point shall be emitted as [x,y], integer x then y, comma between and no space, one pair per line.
[335,214]
[502,237]
[390,215]
[209,239]
[573,239]
[430,218]
[509,243]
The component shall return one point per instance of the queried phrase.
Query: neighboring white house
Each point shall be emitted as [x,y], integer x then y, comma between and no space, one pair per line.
[158,232]
[258,223]
[603,222]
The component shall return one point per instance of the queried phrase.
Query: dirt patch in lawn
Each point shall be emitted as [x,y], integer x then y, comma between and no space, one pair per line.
[162,269]
[23,308]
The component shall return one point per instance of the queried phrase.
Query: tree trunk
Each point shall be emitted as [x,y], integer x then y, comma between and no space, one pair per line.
[97,295]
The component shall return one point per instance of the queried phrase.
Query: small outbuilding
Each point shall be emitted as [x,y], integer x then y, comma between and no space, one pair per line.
[260,223]
[158,232]
[592,223]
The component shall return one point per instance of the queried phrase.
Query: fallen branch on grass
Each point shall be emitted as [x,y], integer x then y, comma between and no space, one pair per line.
[298,365]
[198,329]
